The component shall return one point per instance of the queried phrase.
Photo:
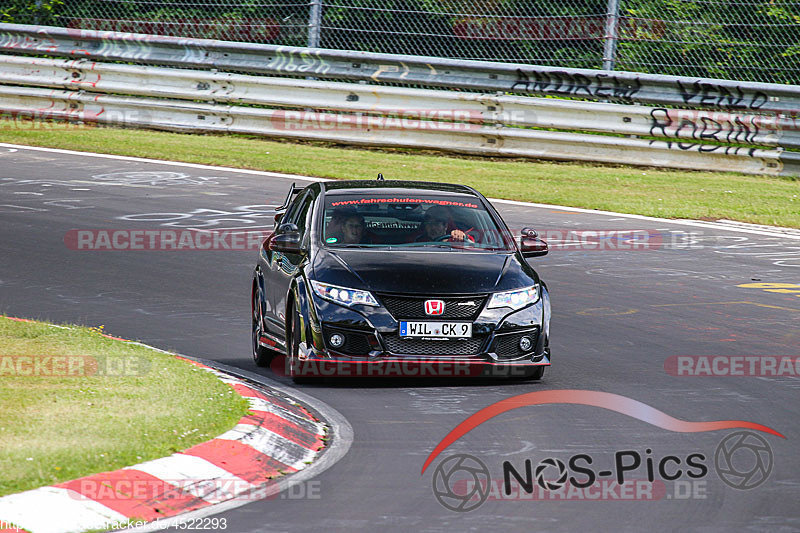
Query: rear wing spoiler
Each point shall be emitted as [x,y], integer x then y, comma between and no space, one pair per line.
[292,191]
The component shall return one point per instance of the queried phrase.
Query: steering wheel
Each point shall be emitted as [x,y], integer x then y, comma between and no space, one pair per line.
[448,237]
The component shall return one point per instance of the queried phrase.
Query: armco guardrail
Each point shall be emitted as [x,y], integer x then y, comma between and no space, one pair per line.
[671,124]
[731,138]
[399,69]
[357,129]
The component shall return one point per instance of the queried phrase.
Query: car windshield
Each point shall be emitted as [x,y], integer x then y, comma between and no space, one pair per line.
[416,220]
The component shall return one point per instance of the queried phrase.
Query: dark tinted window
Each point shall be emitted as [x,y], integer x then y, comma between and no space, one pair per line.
[301,216]
[291,212]
[412,220]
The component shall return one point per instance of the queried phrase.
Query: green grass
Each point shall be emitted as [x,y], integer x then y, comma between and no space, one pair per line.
[65,425]
[645,191]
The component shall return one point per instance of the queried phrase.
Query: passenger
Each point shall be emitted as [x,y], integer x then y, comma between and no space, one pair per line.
[334,227]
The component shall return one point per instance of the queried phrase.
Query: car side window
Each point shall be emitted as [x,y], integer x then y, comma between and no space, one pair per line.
[300,216]
[290,217]
[291,211]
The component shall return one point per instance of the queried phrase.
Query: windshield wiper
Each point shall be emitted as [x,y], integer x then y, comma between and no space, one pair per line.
[426,244]
[337,246]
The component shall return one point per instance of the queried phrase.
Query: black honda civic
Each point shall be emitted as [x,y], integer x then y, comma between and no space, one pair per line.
[398,278]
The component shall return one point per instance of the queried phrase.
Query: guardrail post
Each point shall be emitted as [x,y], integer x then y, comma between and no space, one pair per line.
[314,21]
[612,31]
[36,19]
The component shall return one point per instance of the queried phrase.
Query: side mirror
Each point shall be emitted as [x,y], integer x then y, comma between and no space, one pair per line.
[288,228]
[286,239]
[286,243]
[531,245]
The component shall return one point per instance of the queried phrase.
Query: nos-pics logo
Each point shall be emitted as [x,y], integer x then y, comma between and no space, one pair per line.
[462,482]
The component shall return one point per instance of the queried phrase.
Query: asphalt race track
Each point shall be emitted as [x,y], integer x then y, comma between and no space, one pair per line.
[618,316]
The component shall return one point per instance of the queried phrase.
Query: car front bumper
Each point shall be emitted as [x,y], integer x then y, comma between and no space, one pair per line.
[412,367]
[373,348]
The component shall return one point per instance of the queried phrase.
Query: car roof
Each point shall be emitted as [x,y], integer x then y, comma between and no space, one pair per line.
[394,187]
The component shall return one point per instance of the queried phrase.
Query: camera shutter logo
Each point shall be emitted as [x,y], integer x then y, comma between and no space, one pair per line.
[549,484]
[743,460]
[466,470]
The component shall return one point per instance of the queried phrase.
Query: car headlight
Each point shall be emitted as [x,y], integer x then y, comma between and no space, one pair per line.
[343,295]
[515,299]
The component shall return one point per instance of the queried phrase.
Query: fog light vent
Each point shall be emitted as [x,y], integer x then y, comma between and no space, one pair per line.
[525,344]
[336,340]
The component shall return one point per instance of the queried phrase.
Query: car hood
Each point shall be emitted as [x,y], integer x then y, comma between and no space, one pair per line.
[423,272]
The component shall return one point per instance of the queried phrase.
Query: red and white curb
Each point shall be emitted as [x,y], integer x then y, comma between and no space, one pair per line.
[278,437]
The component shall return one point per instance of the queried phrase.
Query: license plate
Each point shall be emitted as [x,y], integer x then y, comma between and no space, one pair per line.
[437,330]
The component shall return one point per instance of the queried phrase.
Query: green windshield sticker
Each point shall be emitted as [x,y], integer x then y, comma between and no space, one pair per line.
[331,239]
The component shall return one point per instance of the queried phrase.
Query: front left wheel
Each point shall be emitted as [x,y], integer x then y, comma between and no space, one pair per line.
[538,372]
[293,339]
[261,356]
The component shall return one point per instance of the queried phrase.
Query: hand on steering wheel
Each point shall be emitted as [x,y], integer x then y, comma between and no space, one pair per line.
[453,236]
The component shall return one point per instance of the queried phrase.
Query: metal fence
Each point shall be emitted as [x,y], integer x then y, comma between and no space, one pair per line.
[724,125]
[749,40]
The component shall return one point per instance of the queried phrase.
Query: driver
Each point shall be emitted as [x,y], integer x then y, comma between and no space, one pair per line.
[435,226]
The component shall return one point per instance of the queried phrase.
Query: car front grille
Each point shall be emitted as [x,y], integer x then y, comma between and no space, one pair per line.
[451,347]
[413,307]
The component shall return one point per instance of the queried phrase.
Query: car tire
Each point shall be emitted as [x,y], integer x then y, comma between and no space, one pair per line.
[261,356]
[293,347]
[536,374]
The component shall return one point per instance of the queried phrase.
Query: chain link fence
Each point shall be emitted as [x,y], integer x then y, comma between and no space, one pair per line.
[740,40]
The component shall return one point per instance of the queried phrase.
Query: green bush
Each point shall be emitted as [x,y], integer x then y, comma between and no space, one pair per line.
[758,41]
